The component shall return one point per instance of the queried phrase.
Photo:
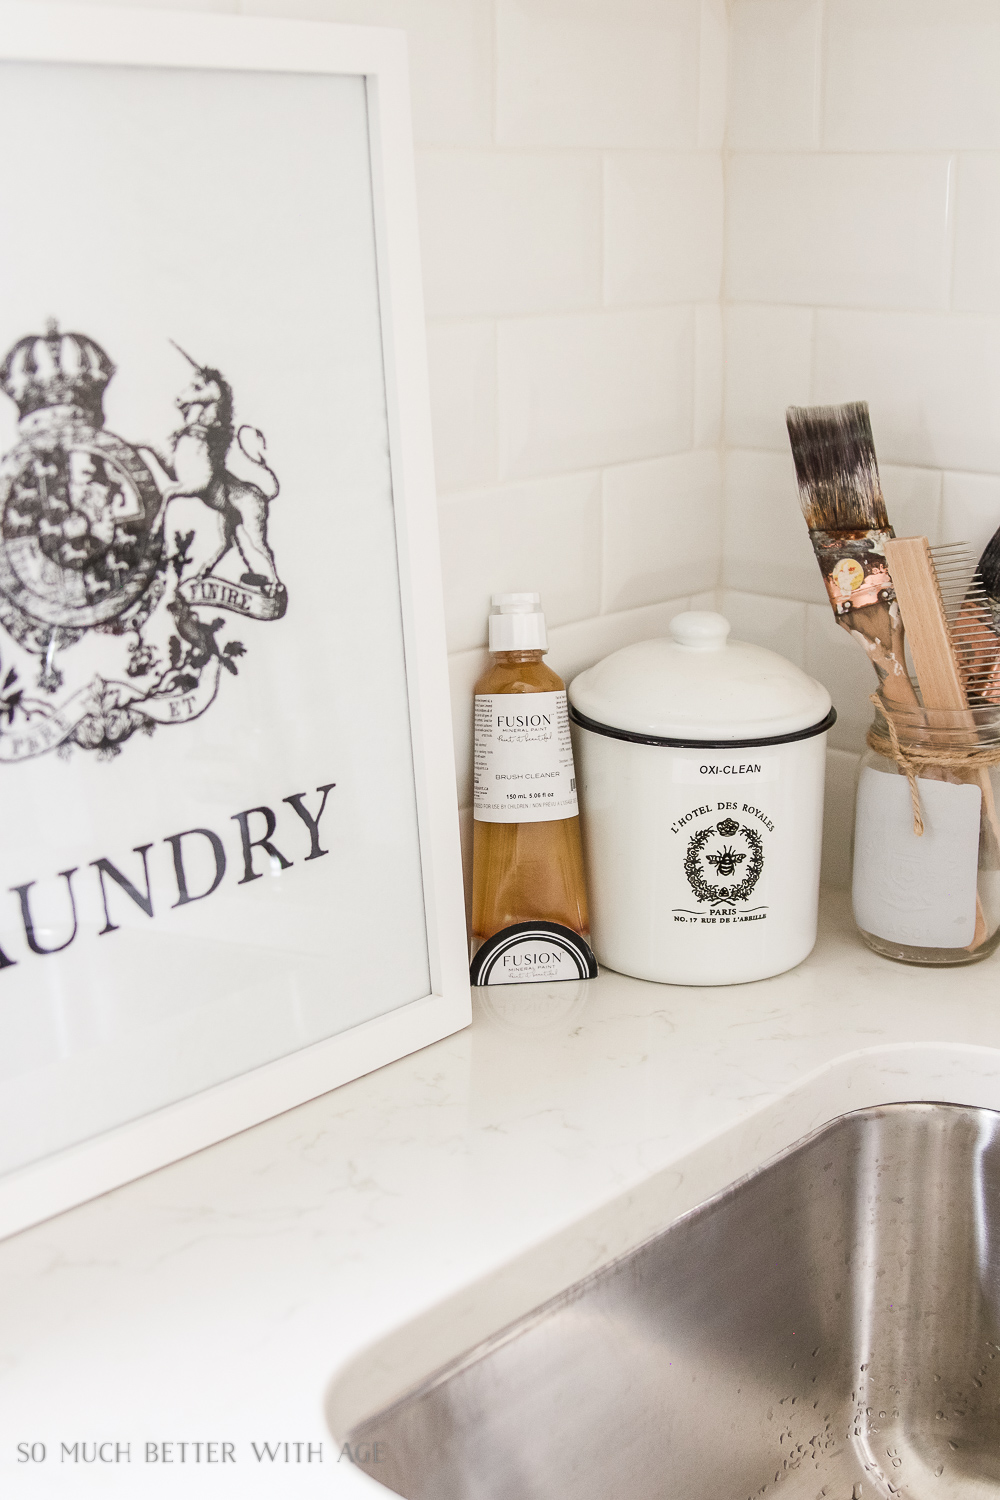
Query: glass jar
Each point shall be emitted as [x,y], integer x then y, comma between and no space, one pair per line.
[926,880]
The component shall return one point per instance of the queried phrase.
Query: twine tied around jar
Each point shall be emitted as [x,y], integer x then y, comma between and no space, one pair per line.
[914,759]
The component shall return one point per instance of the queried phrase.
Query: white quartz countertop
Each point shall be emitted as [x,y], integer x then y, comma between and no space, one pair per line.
[213,1301]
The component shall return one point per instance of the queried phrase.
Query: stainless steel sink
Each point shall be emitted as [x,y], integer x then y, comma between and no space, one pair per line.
[829,1326]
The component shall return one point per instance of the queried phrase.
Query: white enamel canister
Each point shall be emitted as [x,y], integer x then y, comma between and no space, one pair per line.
[700,763]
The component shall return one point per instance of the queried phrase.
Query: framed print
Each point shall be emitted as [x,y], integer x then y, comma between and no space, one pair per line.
[229,872]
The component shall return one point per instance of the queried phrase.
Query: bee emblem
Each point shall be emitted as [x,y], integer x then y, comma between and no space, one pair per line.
[718,846]
[726,860]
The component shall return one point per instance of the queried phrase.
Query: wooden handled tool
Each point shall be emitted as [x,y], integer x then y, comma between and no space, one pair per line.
[918,592]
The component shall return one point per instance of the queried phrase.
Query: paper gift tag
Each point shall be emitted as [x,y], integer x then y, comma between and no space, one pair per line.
[918,891]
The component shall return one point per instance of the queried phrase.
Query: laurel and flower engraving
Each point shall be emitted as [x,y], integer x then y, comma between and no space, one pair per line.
[86,552]
[704,847]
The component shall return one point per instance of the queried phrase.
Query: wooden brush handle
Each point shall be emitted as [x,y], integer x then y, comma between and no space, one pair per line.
[881,636]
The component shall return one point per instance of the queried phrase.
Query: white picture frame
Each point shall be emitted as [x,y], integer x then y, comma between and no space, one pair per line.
[53,36]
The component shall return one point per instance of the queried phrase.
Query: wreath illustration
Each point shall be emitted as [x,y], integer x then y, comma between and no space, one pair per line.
[726,862]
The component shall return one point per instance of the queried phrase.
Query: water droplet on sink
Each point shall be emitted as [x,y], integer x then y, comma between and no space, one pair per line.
[939,1471]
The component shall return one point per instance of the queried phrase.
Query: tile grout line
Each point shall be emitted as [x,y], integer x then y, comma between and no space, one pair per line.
[819,91]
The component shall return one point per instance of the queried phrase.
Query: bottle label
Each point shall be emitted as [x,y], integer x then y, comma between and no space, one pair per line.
[523,758]
[533,953]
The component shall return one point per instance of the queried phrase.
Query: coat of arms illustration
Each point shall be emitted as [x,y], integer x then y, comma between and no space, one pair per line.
[113,618]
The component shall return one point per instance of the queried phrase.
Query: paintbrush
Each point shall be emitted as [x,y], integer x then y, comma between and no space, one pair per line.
[844,508]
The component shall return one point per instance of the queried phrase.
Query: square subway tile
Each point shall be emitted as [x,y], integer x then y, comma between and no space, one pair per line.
[598,73]
[766,546]
[662,528]
[977,234]
[908,75]
[662,227]
[542,536]
[971,509]
[768,368]
[932,383]
[839,230]
[713,71]
[838,818]
[844,669]
[462,365]
[777,624]
[597,389]
[509,232]
[913,501]
[709,374]
[774,61]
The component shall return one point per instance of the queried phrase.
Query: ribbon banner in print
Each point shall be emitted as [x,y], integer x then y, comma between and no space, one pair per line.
[102,713]
[239,598]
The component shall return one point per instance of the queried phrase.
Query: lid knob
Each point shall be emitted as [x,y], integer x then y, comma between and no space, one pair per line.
[700,630]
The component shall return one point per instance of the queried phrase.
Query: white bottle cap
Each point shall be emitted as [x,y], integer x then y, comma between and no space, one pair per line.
[517,624]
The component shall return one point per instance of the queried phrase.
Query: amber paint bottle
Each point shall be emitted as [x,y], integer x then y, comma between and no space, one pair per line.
[529,898]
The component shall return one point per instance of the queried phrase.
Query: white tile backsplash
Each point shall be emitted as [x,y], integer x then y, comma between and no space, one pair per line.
[970,509]
[508,232]
[713,74]
[462,366]
[911,75]
[543,535]
[769,354]
[766,547]
[837,660]
[838,230]
[913,501]
[858,149]
[838,819]
[778,624]
[977,234]
[709,374]
[594,389]
[598,73]
[932,382]
[662,524]
[663,227]
[774,62]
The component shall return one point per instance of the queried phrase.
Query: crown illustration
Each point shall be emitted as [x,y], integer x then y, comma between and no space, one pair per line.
[57,369]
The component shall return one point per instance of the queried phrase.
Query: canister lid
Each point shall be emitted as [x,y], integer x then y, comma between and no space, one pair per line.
[697,686]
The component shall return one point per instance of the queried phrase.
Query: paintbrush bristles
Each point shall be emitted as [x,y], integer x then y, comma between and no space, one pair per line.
[834,454]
